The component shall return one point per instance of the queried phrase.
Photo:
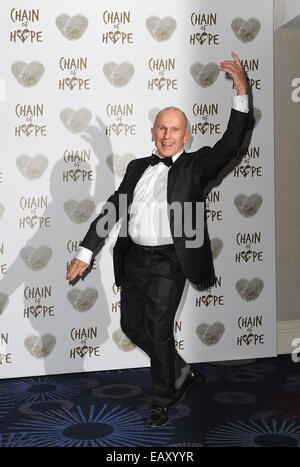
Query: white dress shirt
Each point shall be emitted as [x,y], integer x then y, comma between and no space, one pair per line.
[148,222]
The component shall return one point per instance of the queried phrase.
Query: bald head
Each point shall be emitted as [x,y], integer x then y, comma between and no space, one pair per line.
[171,108]
[170,132]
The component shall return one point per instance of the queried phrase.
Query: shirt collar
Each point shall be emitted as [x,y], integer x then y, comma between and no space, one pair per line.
[173,157]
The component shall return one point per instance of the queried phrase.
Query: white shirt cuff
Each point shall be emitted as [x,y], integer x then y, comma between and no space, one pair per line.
[84,254]
[241,103]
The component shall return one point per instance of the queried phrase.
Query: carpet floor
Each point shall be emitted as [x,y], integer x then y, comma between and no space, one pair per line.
[256,404]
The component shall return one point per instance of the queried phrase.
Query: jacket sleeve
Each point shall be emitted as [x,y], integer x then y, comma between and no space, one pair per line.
[104,222]
[213,159]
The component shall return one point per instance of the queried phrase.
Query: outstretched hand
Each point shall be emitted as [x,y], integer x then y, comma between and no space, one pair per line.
[235,70]
[76,268]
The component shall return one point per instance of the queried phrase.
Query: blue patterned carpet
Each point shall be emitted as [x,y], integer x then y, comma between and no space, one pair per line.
[256,404]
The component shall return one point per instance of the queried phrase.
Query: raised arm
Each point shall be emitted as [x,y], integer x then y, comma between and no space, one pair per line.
[213,159]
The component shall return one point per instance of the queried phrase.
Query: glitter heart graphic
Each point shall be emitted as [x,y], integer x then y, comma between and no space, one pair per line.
[72,28]
[27,75]
[76,121]
[32,167]
[122,341]
[23,35]
[79,212]
[118,75]
[256,115]
[248,205]
[4,299]
[82,300]
[152,114]
[249,290]
[245,31]
[205,75]
[216,247]
[118,164]
[36,258]
[40,347]
[210,334]
[161,29]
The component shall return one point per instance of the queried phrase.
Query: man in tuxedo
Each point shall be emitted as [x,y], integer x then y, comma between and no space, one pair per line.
[151,261]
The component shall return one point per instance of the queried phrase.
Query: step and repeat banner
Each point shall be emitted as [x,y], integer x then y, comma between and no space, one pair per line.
[81,83]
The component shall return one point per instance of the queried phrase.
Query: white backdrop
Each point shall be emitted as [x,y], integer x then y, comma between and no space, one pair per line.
[83,82]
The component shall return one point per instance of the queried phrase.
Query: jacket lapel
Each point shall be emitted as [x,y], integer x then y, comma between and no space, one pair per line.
[174,169]
[140,168]
[136,174]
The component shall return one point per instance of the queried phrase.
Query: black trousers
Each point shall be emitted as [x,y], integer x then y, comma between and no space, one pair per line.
[151,289]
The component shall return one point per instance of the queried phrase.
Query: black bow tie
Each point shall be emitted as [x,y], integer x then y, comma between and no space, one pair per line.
[166,160]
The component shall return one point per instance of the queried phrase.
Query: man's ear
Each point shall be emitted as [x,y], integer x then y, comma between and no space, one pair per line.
[152,133]
[186,136]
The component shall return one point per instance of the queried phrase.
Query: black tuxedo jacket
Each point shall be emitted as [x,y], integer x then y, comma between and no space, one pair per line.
[187,180]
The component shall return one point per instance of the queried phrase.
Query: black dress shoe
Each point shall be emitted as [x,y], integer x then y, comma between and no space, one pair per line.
[158,416]
[193,380]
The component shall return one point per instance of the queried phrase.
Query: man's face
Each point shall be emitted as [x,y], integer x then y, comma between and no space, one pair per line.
[170,133]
